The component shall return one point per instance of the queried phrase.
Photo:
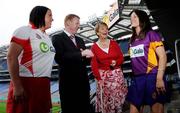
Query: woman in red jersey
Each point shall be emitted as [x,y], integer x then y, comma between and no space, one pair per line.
[30,58]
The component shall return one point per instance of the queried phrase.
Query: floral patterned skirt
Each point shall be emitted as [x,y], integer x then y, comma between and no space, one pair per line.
[111,91]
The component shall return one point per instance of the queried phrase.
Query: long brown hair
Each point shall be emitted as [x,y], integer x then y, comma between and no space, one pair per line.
[144,24]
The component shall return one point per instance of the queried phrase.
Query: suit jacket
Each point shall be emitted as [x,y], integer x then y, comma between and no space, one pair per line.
[71,63]
[72,73]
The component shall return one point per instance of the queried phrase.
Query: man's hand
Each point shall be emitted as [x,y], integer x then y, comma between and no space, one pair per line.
[87,53]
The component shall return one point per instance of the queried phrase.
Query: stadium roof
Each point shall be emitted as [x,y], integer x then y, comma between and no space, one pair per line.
[120,30]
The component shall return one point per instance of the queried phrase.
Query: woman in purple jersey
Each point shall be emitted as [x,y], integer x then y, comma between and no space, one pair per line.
[148,60]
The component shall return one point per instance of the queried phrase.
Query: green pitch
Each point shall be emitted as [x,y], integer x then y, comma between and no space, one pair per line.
[55,109]
[2,107]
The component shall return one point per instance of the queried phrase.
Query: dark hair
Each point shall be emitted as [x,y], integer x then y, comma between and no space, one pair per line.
[144,24]
[37,16]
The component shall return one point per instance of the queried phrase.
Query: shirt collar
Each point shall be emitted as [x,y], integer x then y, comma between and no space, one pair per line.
[68,34]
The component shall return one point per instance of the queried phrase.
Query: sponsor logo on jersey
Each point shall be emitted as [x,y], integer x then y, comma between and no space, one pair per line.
[52,49]
[137,51]
[44,47]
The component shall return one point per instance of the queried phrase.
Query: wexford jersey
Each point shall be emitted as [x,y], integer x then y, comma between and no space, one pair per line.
[142,54]
[37,57]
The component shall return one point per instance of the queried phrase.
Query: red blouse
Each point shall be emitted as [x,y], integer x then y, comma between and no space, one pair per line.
[102,60]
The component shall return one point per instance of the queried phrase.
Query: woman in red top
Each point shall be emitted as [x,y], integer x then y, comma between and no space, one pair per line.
[111,87]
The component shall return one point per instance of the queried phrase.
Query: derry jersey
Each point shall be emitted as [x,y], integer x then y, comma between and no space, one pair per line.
[37,57]
[142,53]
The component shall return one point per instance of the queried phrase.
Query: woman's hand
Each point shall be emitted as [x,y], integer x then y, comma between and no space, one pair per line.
[160,87]
[19,94]
[113,63]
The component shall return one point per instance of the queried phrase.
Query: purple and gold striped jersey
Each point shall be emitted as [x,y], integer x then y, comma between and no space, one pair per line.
[142,53]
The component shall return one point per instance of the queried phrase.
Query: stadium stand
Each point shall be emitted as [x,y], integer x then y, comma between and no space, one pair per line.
[120,31]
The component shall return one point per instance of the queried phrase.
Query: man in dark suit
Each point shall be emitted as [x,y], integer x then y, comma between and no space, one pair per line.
[72,55]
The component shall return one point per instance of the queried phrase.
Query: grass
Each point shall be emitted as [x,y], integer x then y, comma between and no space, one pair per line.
[55,108]
[2,107]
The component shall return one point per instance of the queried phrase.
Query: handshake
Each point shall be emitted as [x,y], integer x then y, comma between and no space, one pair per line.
[87,53]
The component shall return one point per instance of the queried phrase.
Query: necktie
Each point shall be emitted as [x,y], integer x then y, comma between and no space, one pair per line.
[72,37]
